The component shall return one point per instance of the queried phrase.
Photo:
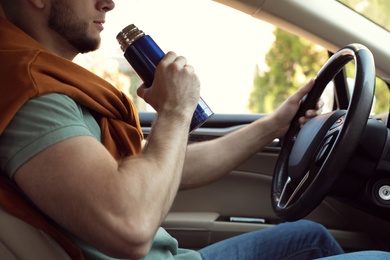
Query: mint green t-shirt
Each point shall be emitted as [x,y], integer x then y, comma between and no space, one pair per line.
[52,118]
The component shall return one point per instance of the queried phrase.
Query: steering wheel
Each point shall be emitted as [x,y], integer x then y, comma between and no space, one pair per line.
[312,157]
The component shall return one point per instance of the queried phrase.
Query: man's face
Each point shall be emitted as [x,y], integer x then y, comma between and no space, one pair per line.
[79,22]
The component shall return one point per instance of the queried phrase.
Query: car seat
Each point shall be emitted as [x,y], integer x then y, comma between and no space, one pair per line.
[22,241]
[26,233]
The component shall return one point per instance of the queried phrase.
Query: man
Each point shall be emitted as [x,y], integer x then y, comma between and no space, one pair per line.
[72,143]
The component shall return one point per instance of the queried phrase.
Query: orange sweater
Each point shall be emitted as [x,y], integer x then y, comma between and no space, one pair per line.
[28,70]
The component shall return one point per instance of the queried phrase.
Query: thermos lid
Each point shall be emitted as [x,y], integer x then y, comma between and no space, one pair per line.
[128,35]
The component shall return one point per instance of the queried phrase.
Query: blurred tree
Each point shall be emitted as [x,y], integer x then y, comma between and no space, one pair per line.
[291,62]
[378,11]
[382,97]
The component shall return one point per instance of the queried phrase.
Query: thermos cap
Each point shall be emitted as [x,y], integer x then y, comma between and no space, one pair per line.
[128,35]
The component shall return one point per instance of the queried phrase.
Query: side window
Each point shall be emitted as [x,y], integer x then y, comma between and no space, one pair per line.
[290,62]
[381,100]
[245,65]
[380,106]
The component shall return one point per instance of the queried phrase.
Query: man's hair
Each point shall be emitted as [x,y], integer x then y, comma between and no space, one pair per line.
[8,6]
[1,11]
[3,4]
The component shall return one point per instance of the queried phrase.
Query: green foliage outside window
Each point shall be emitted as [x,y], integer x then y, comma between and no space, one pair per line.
[292,61]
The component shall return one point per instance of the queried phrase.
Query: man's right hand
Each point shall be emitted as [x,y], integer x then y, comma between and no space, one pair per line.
[176,87]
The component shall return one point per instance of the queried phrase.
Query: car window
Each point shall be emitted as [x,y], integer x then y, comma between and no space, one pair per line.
[380,104]
[245,65]
[375,10]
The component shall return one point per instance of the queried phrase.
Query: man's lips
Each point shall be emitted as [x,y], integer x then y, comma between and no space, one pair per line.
[99,24]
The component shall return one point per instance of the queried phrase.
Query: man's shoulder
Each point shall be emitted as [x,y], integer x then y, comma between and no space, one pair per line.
[40,123]
[53,103]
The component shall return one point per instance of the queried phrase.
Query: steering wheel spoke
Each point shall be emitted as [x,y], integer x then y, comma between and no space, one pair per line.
[291,191]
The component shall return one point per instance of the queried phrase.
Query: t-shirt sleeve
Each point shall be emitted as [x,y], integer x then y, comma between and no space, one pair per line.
[40,123]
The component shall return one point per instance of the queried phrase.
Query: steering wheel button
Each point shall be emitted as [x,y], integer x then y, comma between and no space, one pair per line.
[337,123]
[328,140]
[321,154]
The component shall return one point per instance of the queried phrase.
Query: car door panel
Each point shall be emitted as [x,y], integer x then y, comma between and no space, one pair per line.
[202,216]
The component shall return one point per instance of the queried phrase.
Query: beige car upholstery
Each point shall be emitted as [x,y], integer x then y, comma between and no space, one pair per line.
[21,241]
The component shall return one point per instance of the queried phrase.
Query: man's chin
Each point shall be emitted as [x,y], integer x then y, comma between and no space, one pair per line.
[87,46]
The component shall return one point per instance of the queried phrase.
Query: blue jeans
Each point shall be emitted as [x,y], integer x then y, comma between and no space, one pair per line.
[363,255]
[294,240]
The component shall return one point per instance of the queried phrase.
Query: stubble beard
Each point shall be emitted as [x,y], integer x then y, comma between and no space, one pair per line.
[65,22]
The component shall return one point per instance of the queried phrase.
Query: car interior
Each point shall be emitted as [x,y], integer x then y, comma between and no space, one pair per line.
[334,171]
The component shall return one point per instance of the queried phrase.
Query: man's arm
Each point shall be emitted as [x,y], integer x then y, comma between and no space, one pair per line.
[208,161]
[114,206]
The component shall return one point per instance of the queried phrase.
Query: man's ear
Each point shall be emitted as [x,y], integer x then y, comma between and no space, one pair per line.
[38,3]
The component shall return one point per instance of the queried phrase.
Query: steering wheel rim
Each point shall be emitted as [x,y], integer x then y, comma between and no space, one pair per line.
[310,160]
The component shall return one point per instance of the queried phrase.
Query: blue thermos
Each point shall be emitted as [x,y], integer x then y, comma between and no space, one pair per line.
[144,54]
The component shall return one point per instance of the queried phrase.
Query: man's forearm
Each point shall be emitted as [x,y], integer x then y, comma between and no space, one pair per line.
[207,161]
[166,147]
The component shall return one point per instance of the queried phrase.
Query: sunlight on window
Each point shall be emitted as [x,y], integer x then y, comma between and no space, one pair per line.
[223,45]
